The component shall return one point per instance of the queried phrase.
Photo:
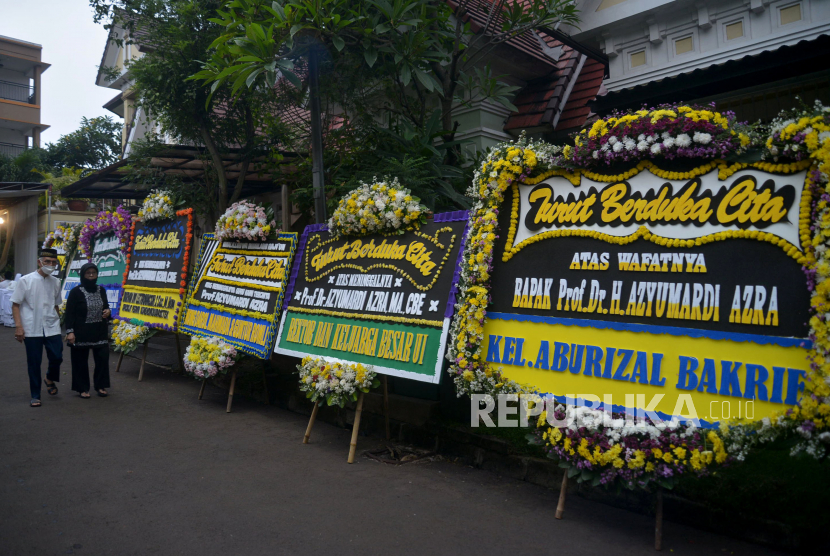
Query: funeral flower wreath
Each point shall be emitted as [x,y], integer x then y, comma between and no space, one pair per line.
[335,382]
[207,357]
[608,449]
[127,336]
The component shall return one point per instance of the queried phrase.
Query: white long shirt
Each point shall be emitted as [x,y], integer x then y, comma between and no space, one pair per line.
[37,296]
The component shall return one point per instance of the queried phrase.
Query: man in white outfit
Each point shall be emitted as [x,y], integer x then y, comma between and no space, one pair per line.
[36,308]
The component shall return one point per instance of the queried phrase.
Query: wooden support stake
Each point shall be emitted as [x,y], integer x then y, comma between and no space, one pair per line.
[563,491]
[353,443]
[143,359]
[311,422]
[202,389]
[386,406]
[120,359]
[230,394]
[658,522]
[179,351]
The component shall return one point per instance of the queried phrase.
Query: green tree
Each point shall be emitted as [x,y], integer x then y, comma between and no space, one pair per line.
[20,168]
[94,145]
[174,36]
[394,74]
[412,55]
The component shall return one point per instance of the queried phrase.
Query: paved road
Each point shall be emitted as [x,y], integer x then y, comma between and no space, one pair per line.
[152,470]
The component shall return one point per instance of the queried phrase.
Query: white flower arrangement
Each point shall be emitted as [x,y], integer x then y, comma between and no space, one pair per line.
[158,205]
[127,336]
[337,383]
[245,220]
[207,357]
[380,207]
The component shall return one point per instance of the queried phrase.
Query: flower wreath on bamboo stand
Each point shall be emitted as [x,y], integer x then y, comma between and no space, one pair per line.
[209,356]
[128,335]
[382,207]
[596,446]
[335,382]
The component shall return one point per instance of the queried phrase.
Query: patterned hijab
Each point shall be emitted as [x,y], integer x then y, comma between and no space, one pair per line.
[88,285]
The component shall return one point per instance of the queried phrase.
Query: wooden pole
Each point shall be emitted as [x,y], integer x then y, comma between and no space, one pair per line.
[143,358]
[563,492]
[230,394]
[353,443]
[386,406]
[202,389]
[120,359]
[658,522]
[179,351]
[311,422]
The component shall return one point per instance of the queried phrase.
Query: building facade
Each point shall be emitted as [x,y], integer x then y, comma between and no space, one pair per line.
[114,73]
[750,56]
[21,67]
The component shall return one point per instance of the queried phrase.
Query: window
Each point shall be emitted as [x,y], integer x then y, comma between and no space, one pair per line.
[790,14]
[684,45]
[735,30]
[608,3]
[638,59]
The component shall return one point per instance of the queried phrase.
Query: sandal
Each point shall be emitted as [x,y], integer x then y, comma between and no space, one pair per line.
[102,393]
[51,388]
[34,403]
[84,397]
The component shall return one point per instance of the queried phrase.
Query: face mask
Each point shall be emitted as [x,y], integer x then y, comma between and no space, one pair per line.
[48,269]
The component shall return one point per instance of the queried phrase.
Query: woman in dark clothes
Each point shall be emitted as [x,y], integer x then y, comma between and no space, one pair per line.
[87,312]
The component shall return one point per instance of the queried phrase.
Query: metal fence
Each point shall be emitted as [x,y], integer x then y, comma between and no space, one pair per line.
[11,150]
[16,91]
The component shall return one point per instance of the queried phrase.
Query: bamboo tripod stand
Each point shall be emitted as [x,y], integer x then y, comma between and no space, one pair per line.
[144,357]
[357,415]
[658,518]
[233,387]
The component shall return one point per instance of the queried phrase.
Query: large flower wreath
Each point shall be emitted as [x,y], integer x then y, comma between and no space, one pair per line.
[188,244]
[604,451]
[118,221]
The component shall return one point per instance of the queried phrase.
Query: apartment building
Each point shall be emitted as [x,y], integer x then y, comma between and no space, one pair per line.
[21,67]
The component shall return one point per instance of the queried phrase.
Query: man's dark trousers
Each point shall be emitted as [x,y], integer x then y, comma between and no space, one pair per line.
[34,357]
